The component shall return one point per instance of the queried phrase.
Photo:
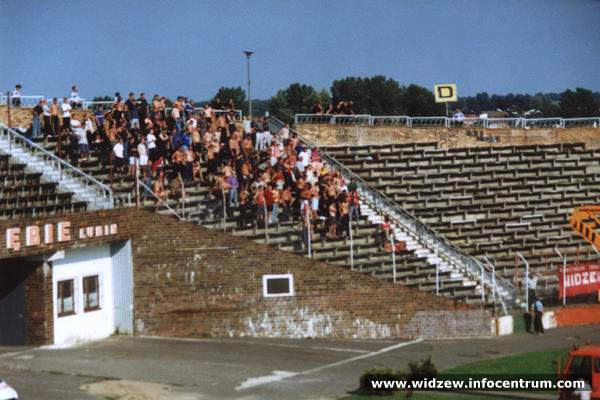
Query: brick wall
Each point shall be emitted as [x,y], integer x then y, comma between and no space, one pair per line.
[191,281]
[38,303]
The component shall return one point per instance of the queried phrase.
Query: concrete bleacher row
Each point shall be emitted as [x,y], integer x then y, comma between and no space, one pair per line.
[24,194]
[411,270]
[490,201]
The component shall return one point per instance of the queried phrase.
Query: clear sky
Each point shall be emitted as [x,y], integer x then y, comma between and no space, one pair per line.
[194,47]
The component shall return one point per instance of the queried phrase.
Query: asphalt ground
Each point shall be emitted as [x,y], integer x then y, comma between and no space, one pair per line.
[247,368]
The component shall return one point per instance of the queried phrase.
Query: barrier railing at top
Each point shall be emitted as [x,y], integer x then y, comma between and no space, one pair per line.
[105,197]
[422,122]
[24,101]
[161,201]
[428,236]
[198,110]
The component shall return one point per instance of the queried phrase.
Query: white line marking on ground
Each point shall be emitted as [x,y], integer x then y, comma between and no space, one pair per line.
[246,342]
[280,375]
[15,353]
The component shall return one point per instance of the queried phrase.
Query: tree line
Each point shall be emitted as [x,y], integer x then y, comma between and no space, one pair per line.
[379,95]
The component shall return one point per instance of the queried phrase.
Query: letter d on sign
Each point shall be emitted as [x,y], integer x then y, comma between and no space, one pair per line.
[445,93]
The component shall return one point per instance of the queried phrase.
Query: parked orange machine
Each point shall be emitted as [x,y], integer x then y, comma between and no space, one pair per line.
[583,363]
[585,220]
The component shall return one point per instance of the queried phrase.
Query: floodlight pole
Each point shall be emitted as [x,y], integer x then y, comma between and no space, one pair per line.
[564,275]
[526,280]
[248,54]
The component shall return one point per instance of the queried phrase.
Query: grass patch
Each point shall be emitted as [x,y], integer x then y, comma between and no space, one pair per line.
[537,362]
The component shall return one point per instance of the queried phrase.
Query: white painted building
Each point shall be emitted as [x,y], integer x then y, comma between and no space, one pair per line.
[88,299]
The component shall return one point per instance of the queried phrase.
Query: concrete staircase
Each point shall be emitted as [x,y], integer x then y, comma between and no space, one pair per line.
[53,169]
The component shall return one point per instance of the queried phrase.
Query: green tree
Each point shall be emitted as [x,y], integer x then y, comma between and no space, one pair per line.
[237,94]
[580,103]
[418,101]
[545,104]
[296,99]
[376,95]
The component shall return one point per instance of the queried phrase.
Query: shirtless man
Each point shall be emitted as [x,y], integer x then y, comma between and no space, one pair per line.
[54,116]
[344,206]
[212,161]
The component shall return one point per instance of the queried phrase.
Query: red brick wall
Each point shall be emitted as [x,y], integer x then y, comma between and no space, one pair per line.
[191,281]
[38,303]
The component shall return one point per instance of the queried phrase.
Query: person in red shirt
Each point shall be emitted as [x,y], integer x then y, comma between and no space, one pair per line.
[383,233]
[269,201]
[259,200]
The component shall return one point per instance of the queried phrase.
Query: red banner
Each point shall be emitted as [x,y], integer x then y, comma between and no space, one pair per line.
[579,279]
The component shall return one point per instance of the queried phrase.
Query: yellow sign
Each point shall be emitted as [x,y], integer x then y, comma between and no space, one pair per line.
[445,92]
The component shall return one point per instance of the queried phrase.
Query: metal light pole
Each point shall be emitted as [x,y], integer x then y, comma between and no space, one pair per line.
[564,272]
[248,54]
[352,246]
[393,255]
[526,280]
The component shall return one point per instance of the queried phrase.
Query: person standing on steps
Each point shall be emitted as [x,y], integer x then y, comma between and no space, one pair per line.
[54,117]
[538,309]
[46,116]
[66,110]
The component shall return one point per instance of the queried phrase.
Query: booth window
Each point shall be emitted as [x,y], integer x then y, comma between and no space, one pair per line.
[278,285]
[91,298]
[65,297]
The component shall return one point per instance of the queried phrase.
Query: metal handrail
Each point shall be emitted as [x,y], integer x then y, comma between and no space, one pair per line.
[26,101]
[449,122]
[58,163]
[159,199]
[430,238]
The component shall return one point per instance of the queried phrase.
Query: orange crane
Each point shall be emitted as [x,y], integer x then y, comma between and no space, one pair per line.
[585,220]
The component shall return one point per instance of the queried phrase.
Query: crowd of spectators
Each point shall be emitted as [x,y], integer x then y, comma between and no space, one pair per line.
[268,177]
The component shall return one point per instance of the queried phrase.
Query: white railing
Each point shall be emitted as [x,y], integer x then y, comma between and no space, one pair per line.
[93,105]
[26,101]
[390,120]
[428,237]
[198,110]
[103,195]
[581,122]
[448,122]
[164,203]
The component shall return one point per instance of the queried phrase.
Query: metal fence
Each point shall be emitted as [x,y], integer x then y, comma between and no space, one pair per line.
[25,101]
[427,122]
[428,237]
[103,197]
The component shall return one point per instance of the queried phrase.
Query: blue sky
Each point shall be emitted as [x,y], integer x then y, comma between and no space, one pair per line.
[194,47]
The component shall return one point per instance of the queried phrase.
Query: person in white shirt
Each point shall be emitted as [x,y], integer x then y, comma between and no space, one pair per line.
[74,98]
[89,125]
[143,152]
[284,133]
[151,145]
[247,126]
[82,142]
[458,117]
[118,153]
[46,116]
[191,123]
[65,107]
[304,158]
[16,96]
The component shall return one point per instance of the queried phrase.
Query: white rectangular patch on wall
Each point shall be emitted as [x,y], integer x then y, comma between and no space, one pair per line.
[278,285]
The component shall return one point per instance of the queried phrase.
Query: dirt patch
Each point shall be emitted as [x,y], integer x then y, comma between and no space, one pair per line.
[133,390]
[328,135]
